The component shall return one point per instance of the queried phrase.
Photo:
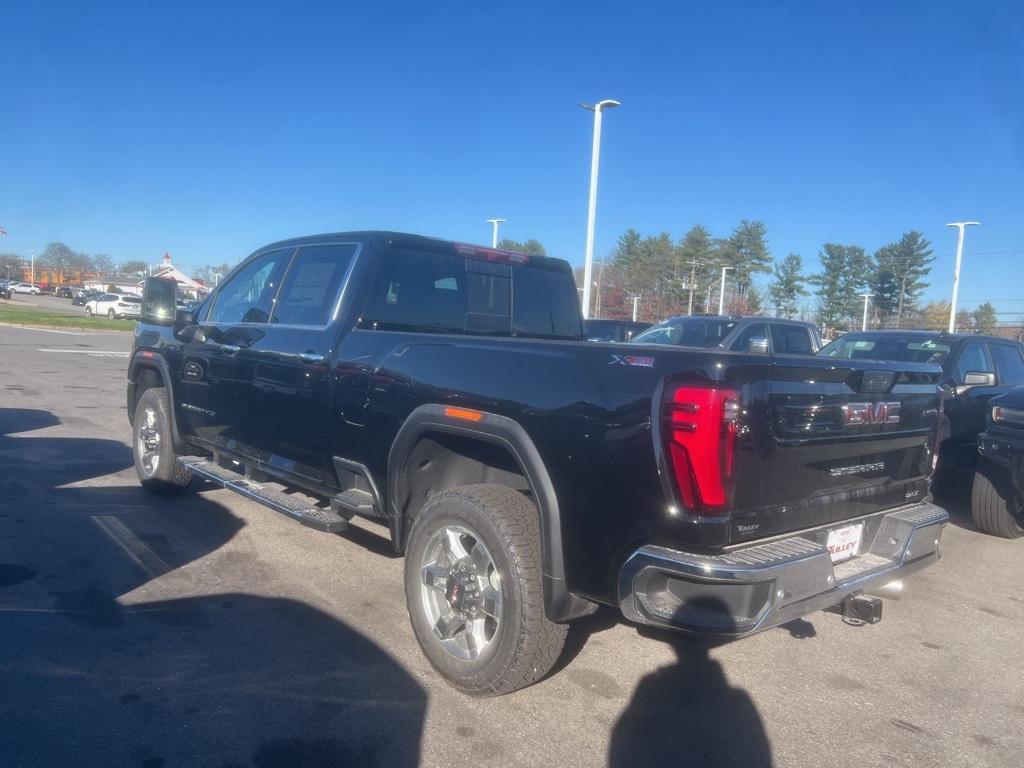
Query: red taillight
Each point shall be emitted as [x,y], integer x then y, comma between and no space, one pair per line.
[490,254]
[701,432]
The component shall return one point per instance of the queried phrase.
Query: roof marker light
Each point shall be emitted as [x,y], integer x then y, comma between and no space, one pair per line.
[490,254]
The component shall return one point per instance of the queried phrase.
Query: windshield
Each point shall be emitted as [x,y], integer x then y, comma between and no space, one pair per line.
[688,332]
[906,349]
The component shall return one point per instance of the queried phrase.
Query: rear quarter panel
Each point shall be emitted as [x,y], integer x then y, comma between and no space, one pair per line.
[586,410]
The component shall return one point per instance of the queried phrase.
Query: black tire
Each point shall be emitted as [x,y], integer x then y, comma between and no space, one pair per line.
[111,314]
[88,311]
[526,644]
[995,505]
[164,475]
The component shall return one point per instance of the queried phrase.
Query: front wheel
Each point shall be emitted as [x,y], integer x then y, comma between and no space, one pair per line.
[111,314]
[474,592]
[155,460]
[996,506]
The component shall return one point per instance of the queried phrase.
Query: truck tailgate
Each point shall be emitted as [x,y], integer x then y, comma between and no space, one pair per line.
[833,441]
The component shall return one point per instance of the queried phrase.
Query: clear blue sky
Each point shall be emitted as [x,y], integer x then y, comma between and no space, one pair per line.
[208,129]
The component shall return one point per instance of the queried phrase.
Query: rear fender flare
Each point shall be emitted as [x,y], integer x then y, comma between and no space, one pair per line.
[559,603]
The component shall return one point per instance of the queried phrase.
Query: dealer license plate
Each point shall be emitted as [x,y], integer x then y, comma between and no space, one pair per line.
[844,543]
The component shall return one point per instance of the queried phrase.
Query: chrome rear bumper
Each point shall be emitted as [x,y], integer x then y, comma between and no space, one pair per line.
[743,591]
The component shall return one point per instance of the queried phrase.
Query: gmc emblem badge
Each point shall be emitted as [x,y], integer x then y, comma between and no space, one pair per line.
[857,414]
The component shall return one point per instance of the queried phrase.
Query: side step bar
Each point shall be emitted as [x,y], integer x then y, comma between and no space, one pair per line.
[294,507]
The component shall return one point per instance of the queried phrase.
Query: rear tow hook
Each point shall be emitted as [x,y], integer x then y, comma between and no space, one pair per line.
[859,609]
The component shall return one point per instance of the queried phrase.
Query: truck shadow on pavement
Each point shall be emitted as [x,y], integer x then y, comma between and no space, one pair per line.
[104,663]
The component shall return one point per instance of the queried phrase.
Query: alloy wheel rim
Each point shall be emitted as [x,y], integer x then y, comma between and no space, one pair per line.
[148,441]
[460,590]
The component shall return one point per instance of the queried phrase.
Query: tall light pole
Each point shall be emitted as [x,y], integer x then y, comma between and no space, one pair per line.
[960,226]
[588,263]
[864,322]
[32,268]
[494,230]
[721,292]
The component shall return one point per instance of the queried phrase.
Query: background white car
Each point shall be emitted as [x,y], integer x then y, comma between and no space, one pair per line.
[25,288]
[115,305]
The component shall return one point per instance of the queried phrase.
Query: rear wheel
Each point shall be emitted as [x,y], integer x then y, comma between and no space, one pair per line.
[995,506]
[111,314]
[474,592]
[88,311]
[155,460]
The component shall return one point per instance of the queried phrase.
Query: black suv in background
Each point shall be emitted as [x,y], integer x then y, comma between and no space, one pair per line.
[760,335]
[613,330]
[974,370]
[997,493]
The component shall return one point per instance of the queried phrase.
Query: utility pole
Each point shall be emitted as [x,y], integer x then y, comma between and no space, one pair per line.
[597,298]
[899,307]
[595,154]
[494,230]
[864,322]
[960,226]
[32,267]
[693,273]
[636,301]
[721,292]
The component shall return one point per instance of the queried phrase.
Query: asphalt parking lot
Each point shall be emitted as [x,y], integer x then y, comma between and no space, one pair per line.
[206,630]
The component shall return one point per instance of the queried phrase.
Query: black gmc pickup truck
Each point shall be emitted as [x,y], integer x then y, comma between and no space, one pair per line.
[446,391]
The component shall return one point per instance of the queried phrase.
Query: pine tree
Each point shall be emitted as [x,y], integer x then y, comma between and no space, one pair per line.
[788,287]
[898,272]
[746,252]
[531,246]
[843,275]
[986,319]
[699,265]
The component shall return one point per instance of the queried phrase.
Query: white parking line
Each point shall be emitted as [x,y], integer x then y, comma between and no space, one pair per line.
[45,330]
[148,560]
[99,352]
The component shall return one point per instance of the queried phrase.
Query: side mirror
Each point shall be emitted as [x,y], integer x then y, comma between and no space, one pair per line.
[976,379]
[758,345]
[158,301]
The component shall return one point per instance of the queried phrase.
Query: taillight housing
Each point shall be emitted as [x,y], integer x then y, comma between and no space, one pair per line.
[700,435]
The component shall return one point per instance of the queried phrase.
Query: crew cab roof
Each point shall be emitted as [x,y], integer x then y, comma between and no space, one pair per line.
[925,334]
[408,239]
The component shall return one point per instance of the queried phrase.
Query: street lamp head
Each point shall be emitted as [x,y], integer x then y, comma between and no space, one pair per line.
[964,224]
[496,221]
[603,104]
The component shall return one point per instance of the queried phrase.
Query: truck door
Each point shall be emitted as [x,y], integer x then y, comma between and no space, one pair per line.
[286,398]
[966,409]
[211,378]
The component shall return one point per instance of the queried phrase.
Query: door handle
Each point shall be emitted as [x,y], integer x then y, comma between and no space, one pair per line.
[230,349]
[312,358]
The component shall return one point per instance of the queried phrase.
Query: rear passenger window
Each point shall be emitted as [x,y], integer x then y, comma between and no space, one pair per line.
[311,285]
[438,292]
[1009,362]
[791,340]
[418,291]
